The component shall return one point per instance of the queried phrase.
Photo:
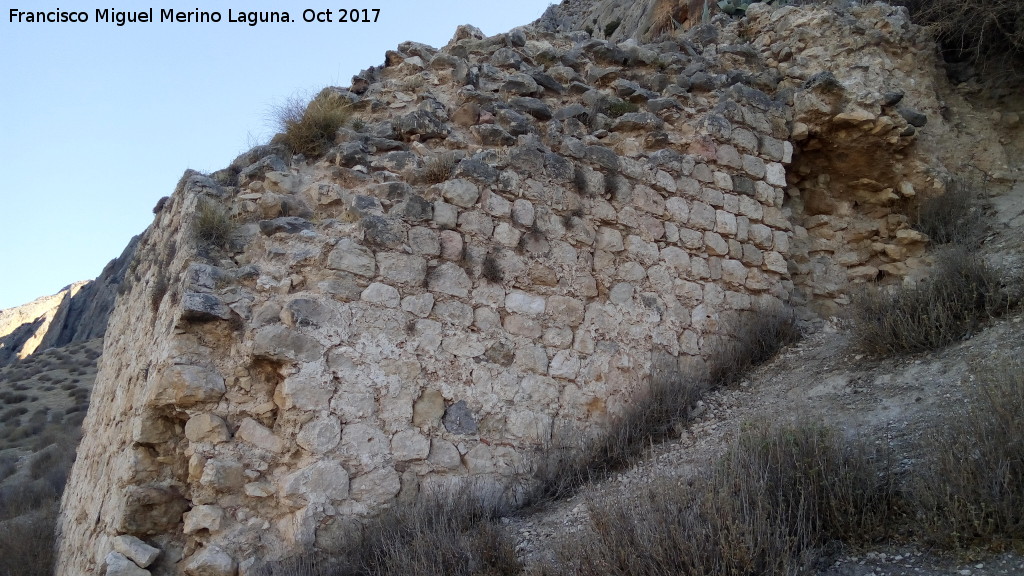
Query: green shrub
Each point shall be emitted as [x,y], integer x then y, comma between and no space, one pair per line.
[620,107]
[611,27]
[962,292]
[310,129]
[969,489]
[775,500]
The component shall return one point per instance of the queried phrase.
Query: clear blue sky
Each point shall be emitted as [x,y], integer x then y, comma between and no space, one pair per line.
[99,121]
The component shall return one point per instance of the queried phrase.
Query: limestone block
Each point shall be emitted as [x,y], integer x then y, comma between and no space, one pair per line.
[444,454]
[643,251]
[206,427]
[203,517]
[324,481]
[306,390]
[609,239]
[752,256]
[524,303]
[450,279]
[419,305]
[259,489]
[496,205]
[630,272]
[734,272]
[565,364]
[284,344]
[725,223]
[728,156]
[775,174]
[565,311]
[702,217]
[187,385]
[445,215]
[352,257]
[135,550]
[409,445]
[520,325]
[202,307]
[454,312]
[690,238]
[480,460]
[363,445]
[463,345]
[376,488]
[211,561]
[715,244]
[428,409]
[775,262]
[757,280]
[523,212]
[530,426]
[486,319]
[451,245]
[476,222]
[722,180]
[506,235]
[754,166]
[424,241]
[260,436]
[713,196]
[621,293]
[557,337]
[378,293]
[458,191]
[762,236]
[320,435]
[119,565]
[750,208]
[678,209]
[402,268]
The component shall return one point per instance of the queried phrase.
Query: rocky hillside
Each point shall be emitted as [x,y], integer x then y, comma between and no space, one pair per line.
[77,313]
[507,240]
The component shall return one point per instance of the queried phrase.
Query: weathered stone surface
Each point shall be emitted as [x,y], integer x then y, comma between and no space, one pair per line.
[428,409]
[135,550]
[201,307]
[449,278]
[203,517]
[320,434]
[206,427]
[260,436]
[284,344]
[119,565]
[320,482]
[458,419]
[409,445]
[211,561]
[186,385]
[351,257]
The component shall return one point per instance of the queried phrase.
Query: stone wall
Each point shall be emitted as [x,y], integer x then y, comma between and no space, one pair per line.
[499,249]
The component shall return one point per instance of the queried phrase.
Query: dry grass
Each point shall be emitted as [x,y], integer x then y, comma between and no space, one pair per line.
[310,129]
[449,532]
[27,543]
[777,498]
[439,168]
[212,226]
[987,33]
[952,218]
[961,293]
[969,489]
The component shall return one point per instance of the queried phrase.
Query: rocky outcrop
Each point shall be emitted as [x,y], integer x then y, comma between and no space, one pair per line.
[520,229]
[77,313]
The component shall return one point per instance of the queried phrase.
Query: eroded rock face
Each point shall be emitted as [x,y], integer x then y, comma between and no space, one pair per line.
[609,205]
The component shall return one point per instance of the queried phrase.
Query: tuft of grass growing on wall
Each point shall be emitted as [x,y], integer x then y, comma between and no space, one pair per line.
[778,497]
[969,488]
[212,226]
[310,128]
[439,168]
[962,292]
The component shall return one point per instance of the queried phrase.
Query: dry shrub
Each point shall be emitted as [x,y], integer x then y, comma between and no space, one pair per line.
[986,33]
[439,168]
[310,129]
[969,490]
[27,543]
[951,218]
[777,498]
[961,293]
[448,532]
[490,269]
[661,411]
[212,226]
